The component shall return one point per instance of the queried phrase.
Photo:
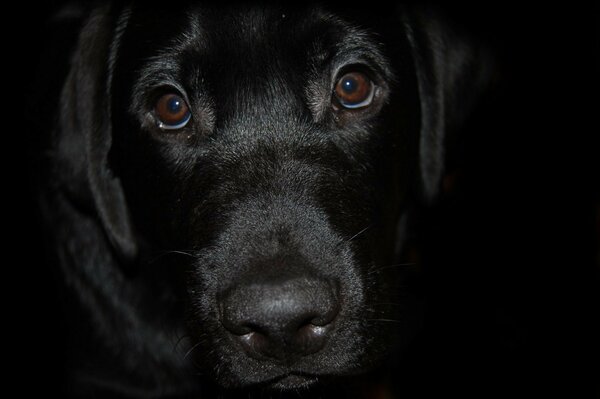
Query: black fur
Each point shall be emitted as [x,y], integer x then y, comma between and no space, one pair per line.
[267,183]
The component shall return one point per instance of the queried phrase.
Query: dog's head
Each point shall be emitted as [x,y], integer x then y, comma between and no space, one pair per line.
[276,151]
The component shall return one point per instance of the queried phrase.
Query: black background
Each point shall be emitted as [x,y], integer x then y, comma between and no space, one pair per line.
[512,264]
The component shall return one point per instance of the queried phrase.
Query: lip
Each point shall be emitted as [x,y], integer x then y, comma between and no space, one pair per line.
[292,381]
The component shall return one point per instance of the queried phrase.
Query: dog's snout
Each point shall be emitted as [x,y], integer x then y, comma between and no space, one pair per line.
[281,320]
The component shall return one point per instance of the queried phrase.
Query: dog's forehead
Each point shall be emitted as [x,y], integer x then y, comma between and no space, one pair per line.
[248,41]
[247,35]
[249,25]
[250,29]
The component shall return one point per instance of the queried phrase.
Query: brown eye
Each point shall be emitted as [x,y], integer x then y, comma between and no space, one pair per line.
[172,112]
[354,90]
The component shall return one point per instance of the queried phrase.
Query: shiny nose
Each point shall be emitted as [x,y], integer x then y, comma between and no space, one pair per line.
[281,320]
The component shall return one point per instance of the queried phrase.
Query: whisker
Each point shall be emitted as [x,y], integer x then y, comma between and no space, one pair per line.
[387,304]
[179,340]
[162,254]
[186,253]
[359,233]
[386,320]
[189,352]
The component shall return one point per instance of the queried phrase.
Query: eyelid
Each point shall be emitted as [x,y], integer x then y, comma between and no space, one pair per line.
[168,88]
[164,126]
[357,66]
[362,104]
[373,71]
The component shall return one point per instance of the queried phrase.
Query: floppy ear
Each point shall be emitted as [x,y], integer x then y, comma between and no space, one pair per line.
[86,129]
[452,72]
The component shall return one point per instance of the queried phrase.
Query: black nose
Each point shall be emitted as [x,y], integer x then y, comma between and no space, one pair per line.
[281,320]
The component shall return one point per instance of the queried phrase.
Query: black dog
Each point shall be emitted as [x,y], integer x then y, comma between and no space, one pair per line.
[229,186]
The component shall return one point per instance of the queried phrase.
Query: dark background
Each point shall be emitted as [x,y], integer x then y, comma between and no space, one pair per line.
[511,265]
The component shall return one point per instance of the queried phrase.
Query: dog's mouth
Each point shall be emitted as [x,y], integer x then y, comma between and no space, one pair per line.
[292,381]
[291,384]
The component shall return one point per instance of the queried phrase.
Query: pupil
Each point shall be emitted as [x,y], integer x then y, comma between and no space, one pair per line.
[174,105]
[349,85]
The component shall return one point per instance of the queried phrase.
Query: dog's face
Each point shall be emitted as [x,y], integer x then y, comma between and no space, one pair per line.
[255,139]
[274,150]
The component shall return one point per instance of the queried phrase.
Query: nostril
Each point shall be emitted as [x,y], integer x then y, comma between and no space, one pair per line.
[256,343]
[327,315]
[310,338]
[306,340]
[230,319]
[281,320]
